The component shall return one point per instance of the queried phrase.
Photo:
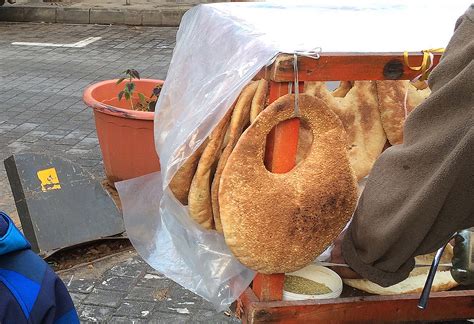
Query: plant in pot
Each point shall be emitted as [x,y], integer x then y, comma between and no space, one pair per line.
[124,115]
[144,103]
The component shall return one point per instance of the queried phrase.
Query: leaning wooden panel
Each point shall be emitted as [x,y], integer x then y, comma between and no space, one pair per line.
[347,67]
[442,306]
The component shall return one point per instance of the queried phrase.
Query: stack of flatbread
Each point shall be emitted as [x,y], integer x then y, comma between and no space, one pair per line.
[196,183]
[372,112]
[280,222]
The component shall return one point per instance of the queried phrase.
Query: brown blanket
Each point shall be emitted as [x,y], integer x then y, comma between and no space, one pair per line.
[422,191]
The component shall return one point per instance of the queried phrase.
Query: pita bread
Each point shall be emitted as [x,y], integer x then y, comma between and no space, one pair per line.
[258,101]
[415,282]
[276,223]
[199,200]
[391,98]
[358,112]
[181,181]
[240,118]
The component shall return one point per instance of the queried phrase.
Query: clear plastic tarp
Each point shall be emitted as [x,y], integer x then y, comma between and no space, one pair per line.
[219,48]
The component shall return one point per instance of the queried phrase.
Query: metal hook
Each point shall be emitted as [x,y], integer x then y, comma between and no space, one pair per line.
[297,84]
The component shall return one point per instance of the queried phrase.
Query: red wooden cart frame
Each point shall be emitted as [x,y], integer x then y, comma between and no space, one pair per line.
[262,302]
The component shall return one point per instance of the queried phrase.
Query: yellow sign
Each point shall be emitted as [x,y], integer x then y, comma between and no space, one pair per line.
[49,179]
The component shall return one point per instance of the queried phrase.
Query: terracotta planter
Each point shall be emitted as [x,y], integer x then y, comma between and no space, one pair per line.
[125,136]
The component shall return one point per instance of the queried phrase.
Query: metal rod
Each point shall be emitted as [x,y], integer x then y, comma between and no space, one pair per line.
[425,295]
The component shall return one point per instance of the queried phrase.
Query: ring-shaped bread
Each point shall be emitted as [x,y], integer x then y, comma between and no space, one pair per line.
[276,223]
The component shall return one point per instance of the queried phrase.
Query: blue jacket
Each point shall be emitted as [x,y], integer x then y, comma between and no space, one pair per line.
[30,292]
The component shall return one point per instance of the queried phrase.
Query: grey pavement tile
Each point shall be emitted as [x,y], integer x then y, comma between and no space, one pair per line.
[133,267]
[148,293]
[74,150]
[26,127]
[79,285]
[94,314]
[153,281]
[128,320]
[175,317]
[135,309]
[88,142]
[116,283]
[77,298]
[108,298]
[32,136]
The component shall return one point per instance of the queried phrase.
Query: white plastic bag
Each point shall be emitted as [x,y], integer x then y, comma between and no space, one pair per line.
[219,49]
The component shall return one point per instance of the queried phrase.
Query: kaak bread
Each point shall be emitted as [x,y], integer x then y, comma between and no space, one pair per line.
[199,199]
[181,181]
[393,112]
[259,100]
[276,223]
[357,108]
[240,118]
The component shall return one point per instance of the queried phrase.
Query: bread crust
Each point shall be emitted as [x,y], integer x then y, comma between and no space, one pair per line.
[199,200]
[240,118]
[356,106]
[276,223]
[259,99]
[181,181]
[391,104]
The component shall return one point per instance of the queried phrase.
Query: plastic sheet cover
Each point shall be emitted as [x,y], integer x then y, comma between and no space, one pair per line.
[219,48]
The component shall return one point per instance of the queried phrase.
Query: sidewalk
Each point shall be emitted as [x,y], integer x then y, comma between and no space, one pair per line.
[41,111]
[116,12]
[124,289]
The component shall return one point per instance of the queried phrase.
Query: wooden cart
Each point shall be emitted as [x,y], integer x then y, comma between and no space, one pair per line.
[262,302]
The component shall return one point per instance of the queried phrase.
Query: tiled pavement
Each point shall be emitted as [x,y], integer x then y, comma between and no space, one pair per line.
[41,110]
[125,289]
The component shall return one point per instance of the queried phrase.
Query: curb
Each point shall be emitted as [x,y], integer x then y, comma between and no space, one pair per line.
[164,17]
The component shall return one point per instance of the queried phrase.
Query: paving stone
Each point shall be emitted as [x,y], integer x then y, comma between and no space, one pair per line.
[131,268]
[175,317]
[85,286]
[26,127]
[154,281]
[135,309]
[128,320]
[77,298]
[116,283]
[106,298]
[94,314]
[147,293]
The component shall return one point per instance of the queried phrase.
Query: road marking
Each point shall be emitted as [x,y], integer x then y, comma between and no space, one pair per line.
[82,43]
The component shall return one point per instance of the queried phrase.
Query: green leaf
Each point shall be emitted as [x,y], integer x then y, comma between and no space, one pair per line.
[127,95]
[142,98]
[120,95]
[130,86]
[120,80]
[135,73]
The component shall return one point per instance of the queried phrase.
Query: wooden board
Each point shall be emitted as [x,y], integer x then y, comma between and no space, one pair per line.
[347,67]
[447,305]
